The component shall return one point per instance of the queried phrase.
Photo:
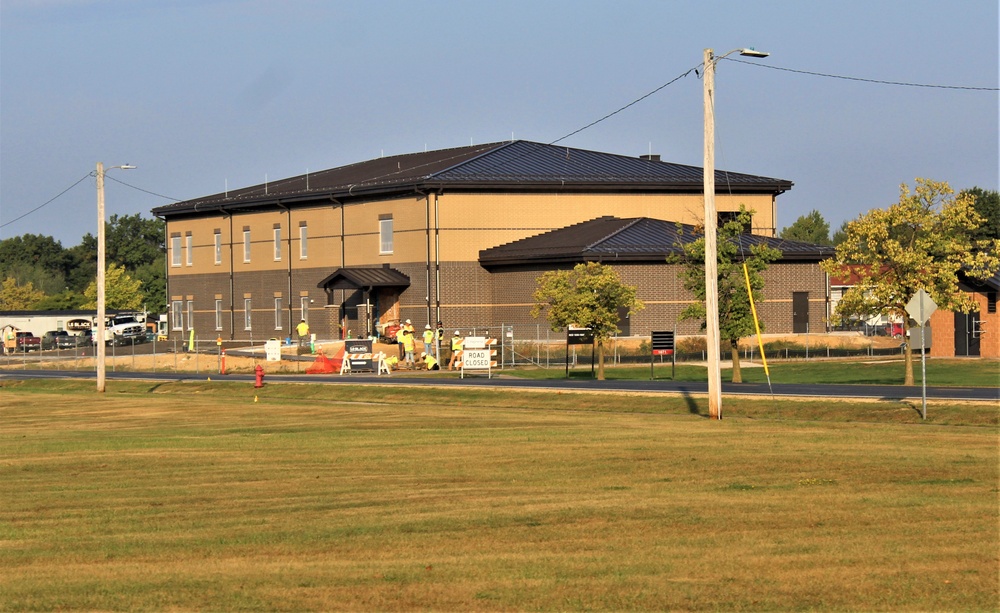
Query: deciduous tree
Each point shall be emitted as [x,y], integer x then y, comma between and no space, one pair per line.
[121,291]
[17,297]
[809,228]
[589,296]
[735,312]
[921,242]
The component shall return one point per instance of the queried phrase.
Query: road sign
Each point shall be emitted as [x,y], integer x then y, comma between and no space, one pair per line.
[921,307]
[663,343]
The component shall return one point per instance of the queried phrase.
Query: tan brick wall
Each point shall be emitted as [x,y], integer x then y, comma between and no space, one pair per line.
[943,331]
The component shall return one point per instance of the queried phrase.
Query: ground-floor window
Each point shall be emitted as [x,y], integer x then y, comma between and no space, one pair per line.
[277,313]
[176,315]
[190,321]
[218,314]
[248,322]
[304,308]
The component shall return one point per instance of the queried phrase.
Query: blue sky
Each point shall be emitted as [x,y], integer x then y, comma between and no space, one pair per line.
[201,95]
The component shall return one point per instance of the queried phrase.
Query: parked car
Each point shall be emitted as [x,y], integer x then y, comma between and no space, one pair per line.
[58,339]
[84,338]
[26,341]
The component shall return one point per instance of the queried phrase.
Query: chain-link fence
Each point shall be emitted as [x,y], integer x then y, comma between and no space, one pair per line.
[516,346]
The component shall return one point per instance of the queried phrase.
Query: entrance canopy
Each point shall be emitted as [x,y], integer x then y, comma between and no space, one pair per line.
[365,279]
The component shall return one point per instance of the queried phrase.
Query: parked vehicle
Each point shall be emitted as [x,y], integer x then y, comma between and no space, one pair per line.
[125,330]
[58,339]
[26,341]
[84,338]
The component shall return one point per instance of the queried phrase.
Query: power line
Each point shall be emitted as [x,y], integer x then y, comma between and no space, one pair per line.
[876,81]
[82,179]
[139,189]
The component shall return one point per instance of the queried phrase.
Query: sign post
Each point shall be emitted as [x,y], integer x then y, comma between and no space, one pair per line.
[920,308]
[663,344]
[579,336]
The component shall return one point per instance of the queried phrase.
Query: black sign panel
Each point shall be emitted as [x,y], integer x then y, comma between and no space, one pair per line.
[358,352]
[579,336]
[663,343]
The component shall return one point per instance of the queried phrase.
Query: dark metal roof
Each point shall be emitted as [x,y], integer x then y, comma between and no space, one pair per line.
[638,239]
[364,278]
[523,165]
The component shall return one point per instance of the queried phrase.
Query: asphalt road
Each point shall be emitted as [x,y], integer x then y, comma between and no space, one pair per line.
[883,392]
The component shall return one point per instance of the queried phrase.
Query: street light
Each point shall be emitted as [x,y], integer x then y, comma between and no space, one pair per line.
[99,338]
[711,223]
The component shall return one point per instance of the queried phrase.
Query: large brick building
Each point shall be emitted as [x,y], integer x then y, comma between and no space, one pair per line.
[401,238]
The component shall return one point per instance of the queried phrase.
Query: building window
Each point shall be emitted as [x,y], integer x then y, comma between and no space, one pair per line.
[176,315]
[277,244]
[218,247]
[246,245]
[385,235]
[303,243]
[277,313]
[218,314]
[175,250]
[247,320]
[189,249]
[304,308]
[991,302]
[190,321]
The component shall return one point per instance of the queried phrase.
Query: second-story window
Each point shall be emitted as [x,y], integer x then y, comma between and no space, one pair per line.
[385,235]
[277,243]
[246,244]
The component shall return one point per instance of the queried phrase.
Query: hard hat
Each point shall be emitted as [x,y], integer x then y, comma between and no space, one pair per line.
[423,353]
[427,327]
[457,333]
[408,321]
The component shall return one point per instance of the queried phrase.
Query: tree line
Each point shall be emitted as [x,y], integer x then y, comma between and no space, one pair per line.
[38,273]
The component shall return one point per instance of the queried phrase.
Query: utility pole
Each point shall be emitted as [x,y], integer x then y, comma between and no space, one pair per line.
[711,225]
[711,248]
[99,337]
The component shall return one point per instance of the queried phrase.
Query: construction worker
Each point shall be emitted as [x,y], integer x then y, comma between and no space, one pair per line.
[428,339]
[408,346]
[303,331]
[429,362]
[456,346]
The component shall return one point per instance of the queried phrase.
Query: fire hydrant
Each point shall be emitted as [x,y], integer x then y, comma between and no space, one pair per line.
[260,376]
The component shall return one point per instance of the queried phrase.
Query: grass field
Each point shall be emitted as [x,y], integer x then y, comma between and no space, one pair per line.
[214,496]
[864,371]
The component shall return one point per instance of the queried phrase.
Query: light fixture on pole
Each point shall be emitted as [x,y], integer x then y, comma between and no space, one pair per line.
[101,324]
[711,223]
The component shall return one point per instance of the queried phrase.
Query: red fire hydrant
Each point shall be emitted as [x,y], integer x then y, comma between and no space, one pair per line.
[260,376]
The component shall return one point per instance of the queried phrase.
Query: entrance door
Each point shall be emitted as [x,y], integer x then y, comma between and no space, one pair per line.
[967,328]
[624,322]
[800,312]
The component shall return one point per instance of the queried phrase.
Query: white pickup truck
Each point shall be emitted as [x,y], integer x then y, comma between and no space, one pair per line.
[124,330]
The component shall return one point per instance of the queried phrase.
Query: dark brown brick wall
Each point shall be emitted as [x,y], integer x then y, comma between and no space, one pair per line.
[473,297]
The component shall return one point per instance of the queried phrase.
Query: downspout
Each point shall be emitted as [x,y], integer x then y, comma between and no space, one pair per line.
[437,258]
[291,314]
[427,266]
[232,281]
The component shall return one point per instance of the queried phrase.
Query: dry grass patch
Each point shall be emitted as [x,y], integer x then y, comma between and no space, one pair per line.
[202,501]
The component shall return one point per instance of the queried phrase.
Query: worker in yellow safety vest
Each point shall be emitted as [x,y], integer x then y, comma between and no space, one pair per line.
[430,363]
[428,339]
[456,346]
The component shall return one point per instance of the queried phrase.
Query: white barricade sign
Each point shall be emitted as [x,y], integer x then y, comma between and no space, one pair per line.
[272,349]
[477,354]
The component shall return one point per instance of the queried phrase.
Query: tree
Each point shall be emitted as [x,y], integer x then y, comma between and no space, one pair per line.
[735,311]
[921,242]
[987,204]
[809,228]
[15,297]
[840,235]
[589,296]
[121,291]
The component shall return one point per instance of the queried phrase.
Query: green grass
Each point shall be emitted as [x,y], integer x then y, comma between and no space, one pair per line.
[880,371]
[216,496]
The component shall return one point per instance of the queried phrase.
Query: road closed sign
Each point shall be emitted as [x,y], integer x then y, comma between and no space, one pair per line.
[476,359]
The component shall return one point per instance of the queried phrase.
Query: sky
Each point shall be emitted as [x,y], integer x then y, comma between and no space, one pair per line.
[208,95]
